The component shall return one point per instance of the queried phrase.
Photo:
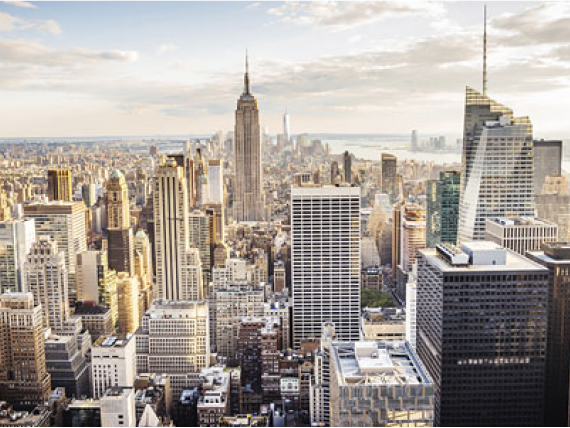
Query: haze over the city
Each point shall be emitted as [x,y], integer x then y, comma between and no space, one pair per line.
[136,68]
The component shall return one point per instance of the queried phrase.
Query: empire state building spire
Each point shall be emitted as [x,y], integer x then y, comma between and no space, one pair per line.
[246,76]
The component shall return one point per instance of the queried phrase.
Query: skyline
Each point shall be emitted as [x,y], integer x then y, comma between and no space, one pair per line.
[317,62]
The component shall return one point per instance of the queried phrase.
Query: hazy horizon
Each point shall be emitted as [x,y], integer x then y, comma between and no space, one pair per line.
[149,68]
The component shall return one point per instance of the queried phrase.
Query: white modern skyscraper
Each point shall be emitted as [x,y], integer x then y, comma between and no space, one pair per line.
[325,252]
[215,182]
[16,239]
[45,277]
[287,127]
[497,167]
[248,198]
[178,271]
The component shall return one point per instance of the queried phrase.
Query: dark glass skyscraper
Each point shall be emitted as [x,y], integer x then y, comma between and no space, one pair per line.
[389,180]
[443,208]
[481,333]
[556,257]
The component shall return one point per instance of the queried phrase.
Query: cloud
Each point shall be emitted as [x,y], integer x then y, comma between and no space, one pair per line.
[13,23]
[167,47]
[346,14]
[425,76]
[8,22]
[49,26]
[253,5]
[22,4]
[36,54]
[546,23]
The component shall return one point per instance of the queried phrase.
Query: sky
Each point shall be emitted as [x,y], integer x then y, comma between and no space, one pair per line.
[156,68]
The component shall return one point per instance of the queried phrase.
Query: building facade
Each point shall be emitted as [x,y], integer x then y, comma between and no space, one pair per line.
[174,339]
[325,253]
[497,166]
[555,256]
[177,265]
[248,190]
[482,319]
[24,380]
[520,234]
[442,215]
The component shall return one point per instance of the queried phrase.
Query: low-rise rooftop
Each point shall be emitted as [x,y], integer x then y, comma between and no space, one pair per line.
[377,363]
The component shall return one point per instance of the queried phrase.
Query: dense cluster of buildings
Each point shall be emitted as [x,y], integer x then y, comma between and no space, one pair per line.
[220,282]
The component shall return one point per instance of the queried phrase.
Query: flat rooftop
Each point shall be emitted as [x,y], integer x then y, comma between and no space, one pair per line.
[378,363]
[176,309]
[553,253]
[513,261]
[316,190]
[117,391]
[520,221]
[113,341]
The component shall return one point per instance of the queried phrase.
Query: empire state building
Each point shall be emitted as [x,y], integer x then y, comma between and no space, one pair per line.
[248,198]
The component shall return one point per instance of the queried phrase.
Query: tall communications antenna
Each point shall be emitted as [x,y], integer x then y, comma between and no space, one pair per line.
[246,75]
[485,50]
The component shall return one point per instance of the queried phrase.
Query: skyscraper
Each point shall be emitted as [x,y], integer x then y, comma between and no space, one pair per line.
[497,167]
[415,140]
[189,174]
[325,231]
[118,214]
[553,204]
[413,234]
[177,264]
[347,164]
[547,161]
[389,182]
[200,238]
[89,194]
[59,185]
[64,222]
[556,257]
[143,269]
[24,380]
[443,208]
[120,246]
[128,295]
[286,128]
[481,321]
[174,339]
[248,197]
[215,182]
[334,172]
[46,278]
[16,239]
[96,282]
